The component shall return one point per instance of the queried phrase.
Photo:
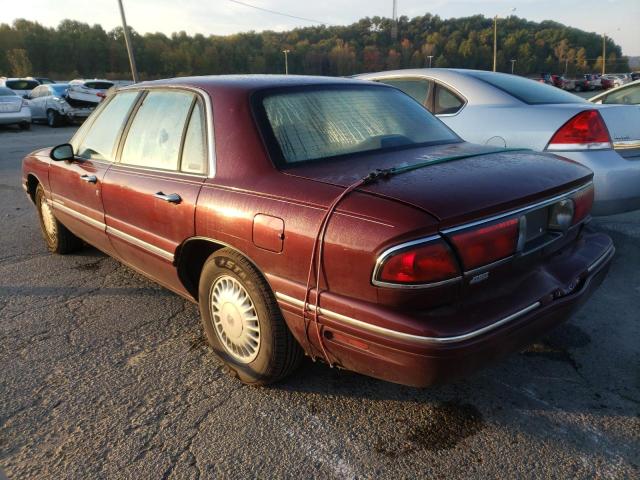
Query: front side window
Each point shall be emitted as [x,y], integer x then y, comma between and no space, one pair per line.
[445,102]
[101,135]
[319,122]
[155,134]
[417,88]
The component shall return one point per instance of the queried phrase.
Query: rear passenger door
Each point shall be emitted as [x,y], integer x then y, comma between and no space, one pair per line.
[150,193]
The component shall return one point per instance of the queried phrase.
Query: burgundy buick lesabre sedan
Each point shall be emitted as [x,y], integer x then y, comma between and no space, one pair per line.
[332,217]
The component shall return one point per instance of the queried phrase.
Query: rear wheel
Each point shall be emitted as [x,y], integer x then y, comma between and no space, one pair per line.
[243,322]
[53,119]
[24,126]
[57,237]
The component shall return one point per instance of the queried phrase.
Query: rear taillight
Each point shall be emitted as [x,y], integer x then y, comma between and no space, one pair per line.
[487,244]
[424,263]
[583,201]
[585,131]
[25,103]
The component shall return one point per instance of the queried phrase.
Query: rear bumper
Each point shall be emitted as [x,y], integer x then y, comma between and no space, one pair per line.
[420,360]
[23,116]
[616,180]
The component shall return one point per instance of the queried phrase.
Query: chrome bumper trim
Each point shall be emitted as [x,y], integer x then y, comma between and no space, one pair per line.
[408,337]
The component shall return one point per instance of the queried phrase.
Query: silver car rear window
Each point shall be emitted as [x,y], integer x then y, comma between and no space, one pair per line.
[5,92]
[528,91]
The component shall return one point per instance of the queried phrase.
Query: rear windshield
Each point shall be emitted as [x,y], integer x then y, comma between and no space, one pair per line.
[318,122]
[21,84]
[529,91]
[5,92]
[99,85]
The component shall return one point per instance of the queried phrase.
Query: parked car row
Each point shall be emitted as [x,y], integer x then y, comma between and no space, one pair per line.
[55,103]
[381,226]
[588,81]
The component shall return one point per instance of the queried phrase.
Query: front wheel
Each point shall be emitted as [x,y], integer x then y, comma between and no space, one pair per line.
[57,237]
[243,322]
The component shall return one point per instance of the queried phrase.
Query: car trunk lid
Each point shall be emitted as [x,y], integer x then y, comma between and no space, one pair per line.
[461,190]
[10,104]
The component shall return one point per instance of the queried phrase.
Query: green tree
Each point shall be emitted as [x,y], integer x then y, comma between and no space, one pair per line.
[19,62]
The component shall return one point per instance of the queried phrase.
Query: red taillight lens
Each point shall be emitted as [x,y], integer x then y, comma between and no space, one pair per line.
[426,263]
[486,245]
[585,130]
[583,201]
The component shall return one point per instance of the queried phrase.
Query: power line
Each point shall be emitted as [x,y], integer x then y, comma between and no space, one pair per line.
[277,13]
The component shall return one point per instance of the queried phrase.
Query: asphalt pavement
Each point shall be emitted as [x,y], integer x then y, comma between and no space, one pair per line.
[104,374]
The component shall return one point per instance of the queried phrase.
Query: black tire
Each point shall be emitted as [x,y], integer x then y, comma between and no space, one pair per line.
[25,126]
[278,353]
[578,88]
[57,237]
[54,119]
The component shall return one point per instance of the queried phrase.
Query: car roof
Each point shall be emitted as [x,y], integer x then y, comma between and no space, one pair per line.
[246,82]
[475,91]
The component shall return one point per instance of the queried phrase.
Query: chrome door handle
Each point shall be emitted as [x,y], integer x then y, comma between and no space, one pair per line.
[171,198]
[89,178]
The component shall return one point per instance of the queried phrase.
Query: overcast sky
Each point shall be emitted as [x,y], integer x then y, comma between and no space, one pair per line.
[620,19]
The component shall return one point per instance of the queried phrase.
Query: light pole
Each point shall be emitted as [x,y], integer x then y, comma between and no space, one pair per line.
[604,51]
[495,39]
[286,61]
[429,57]
[513,63]
[127,41]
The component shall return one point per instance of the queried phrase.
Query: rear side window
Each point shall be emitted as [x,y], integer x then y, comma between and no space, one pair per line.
[193,152]
[5,92]
[528,91]
[100,139]
[155,134]
[417,88]
[446,102]
[21,84]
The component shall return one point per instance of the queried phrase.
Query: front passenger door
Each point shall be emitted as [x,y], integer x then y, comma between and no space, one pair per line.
[150,194]
[76,186]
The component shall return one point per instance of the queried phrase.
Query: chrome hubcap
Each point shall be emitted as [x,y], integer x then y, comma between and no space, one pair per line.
[48,220]
[235,319]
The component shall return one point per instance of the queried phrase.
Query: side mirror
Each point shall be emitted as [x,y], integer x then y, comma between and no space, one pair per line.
[62,152]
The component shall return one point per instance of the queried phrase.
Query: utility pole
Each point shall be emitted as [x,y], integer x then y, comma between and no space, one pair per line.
[127,41]
[394,20]
[286,61]
[604,52]
[429,57]
[513,63]
[495,38]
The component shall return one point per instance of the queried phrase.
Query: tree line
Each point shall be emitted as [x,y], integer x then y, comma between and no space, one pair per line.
[76,49]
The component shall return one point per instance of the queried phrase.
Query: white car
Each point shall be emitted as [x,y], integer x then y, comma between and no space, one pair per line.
[89,90]
[52,103]
[618,79]
[21,86]
[14,109]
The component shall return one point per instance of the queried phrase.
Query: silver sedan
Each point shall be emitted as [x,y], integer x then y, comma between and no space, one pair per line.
[510,111]
[14,109]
